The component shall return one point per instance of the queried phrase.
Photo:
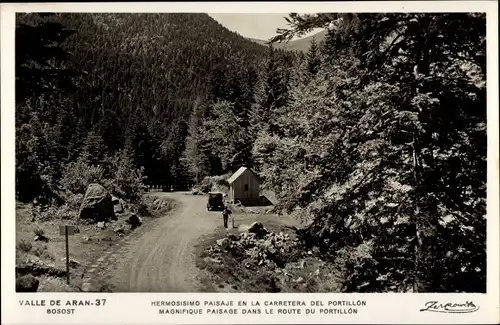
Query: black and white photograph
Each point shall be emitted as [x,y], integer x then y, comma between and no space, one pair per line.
[328,152]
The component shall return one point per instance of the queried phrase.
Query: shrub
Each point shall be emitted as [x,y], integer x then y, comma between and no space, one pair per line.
[77,176]
[39,232]
[74,201]
[52,212]
[126,180]
[210,183]
[205,187]
[42,252]
[52,284]
[24,246]
[106,288]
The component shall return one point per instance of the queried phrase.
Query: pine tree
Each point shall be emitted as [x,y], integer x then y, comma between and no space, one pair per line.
[94,151]
[193,156]
[276,90]
[40,59]
[313,59]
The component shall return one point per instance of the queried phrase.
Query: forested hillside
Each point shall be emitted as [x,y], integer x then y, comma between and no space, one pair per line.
[93,84]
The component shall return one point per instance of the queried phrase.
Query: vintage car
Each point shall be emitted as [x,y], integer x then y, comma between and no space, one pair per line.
[215,201]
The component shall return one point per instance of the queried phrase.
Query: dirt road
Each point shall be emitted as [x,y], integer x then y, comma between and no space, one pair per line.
[162,259]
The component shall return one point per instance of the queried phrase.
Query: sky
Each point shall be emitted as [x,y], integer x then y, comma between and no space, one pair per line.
[259,26]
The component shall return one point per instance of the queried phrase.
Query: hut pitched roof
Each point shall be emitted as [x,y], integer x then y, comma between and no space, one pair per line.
[238,173]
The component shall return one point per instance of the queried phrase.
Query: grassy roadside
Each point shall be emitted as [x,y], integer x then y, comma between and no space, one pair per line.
[85,246]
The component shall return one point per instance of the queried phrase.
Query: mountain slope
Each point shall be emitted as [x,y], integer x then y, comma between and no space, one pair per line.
[141,76]
[151,55]
[296,45]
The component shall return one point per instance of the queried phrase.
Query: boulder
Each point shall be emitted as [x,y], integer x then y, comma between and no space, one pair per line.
[258,229]
[224,243]
[97,204]
[272,250]
[119,229]
[114,200]
[35,266]
[123,204]
[134,221]
[209,259]
[101,225]
[267,243]
[237,251]
[27,283]
[253,253]
[72,263]
[41,237]
[118,207]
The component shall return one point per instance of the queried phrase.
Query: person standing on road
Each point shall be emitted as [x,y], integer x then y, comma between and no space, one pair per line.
[225,215]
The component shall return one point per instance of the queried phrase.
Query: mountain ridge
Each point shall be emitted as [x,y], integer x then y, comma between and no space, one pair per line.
[301,44]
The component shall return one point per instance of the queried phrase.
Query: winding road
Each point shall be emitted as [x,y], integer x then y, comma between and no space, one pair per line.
[162,259]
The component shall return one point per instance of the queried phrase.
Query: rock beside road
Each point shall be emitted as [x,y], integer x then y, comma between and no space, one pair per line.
[118,207]
[97,204]
[258,229]
[134,221]
[258,246]
[41,237]
[72,263]
[271,261]
[35,266]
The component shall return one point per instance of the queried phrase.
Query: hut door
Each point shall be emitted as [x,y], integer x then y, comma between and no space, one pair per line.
[246,191]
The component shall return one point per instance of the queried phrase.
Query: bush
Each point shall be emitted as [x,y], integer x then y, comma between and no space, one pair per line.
[74,201]
[39,232]
[63,212]
[77,176]
[205,187]
[42,252]
[212,183]
[24,246]
[117,174]
[126,181]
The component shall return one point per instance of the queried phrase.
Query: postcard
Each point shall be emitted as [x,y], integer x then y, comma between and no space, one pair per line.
[250,162]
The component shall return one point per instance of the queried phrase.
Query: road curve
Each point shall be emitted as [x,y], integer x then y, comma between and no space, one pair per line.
[163,259]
